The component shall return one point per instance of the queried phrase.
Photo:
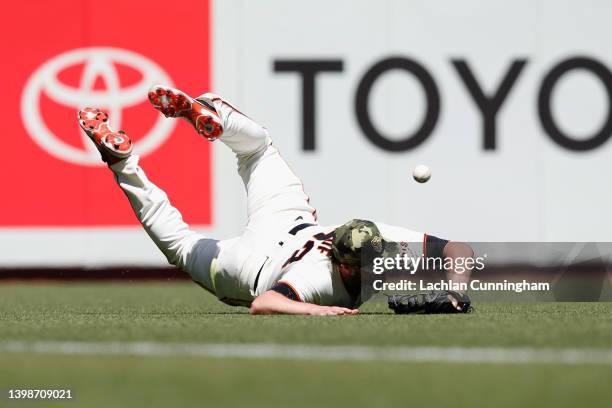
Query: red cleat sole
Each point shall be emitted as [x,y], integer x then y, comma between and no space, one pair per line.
[173,103]
[113,146]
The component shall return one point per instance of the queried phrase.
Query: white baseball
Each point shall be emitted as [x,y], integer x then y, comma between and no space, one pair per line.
[421,173]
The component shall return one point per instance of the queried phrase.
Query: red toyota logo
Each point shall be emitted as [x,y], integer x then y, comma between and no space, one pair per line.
[65,60]
[98,63]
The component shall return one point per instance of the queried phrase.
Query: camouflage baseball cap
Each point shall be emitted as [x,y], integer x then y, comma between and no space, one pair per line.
[357,240]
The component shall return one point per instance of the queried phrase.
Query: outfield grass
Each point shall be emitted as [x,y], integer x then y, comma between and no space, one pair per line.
[182,312]
[189,382]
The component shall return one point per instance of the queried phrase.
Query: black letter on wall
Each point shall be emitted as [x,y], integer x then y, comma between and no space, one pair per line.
[362,104]
[308,70]
[489,105]
[546,90]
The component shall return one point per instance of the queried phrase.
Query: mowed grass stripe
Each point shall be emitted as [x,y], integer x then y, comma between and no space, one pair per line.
[319,353]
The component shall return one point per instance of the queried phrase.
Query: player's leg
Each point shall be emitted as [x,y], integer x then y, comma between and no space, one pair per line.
[184,248]
[275,195]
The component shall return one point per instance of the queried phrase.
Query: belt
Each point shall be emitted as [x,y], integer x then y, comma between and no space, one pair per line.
[292,231]
[300,227]
[257,277]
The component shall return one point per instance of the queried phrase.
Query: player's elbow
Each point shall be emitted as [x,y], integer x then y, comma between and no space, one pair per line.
[455,249]
[258,306]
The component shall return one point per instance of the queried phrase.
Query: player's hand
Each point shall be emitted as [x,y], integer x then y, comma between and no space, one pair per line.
[332,311]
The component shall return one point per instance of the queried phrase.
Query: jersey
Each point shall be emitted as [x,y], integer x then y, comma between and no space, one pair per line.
[305,264]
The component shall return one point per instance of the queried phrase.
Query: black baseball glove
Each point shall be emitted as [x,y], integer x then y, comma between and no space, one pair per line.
[446,301]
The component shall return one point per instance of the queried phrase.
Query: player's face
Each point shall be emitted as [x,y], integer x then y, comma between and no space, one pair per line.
[348,271]
[350,275]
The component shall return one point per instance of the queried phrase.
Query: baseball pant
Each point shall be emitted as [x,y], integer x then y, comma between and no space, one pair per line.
[275,199]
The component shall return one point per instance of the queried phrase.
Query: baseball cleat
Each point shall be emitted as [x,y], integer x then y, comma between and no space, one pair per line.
[177,104]
[113,146]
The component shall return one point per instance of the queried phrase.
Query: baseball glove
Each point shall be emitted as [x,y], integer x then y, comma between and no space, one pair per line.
[432,302]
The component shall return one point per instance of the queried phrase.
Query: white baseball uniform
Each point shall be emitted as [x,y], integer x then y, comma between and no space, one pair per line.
[281,242]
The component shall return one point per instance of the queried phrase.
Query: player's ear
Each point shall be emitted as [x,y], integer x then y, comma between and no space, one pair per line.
[351,277]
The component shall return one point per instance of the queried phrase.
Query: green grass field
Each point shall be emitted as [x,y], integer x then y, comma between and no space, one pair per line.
[169,313]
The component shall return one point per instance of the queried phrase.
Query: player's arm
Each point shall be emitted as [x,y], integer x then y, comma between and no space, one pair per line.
[456,250]
[459,271]
[282,299]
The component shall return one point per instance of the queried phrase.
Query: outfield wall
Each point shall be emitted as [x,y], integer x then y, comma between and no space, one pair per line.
[355,94]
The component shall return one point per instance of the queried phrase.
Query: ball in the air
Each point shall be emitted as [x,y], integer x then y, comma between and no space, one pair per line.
[421,173]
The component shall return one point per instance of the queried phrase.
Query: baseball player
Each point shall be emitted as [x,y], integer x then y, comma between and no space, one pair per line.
[284,261]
